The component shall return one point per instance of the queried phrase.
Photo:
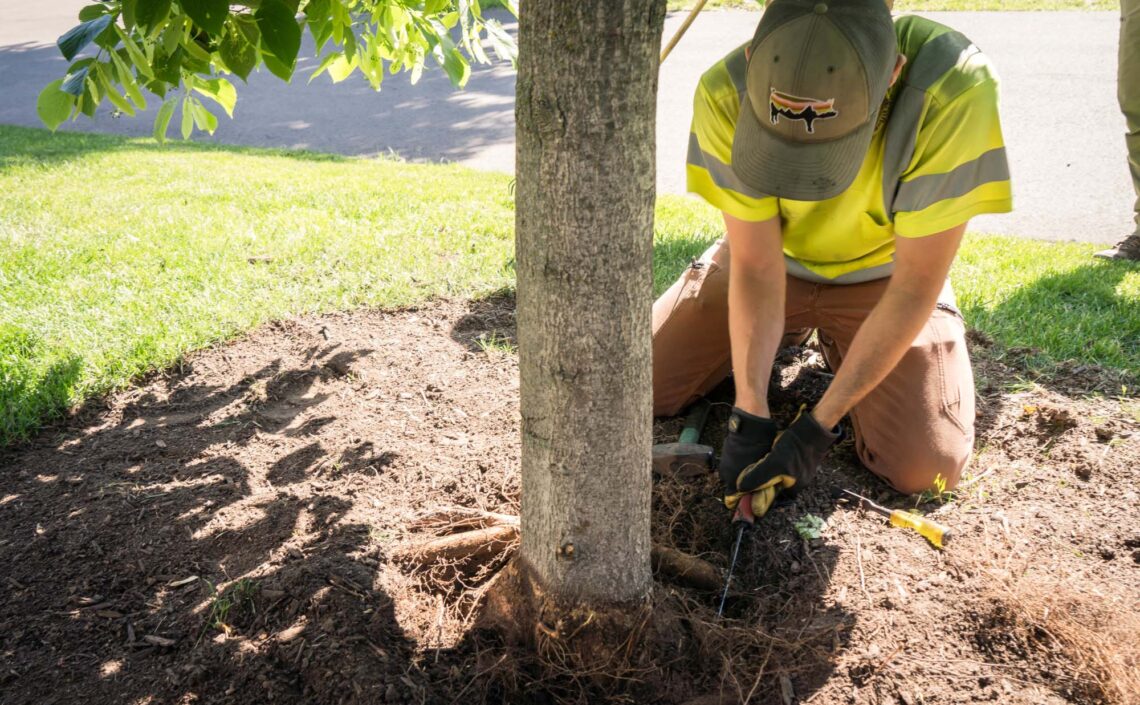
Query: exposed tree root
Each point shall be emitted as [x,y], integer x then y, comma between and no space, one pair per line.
[478,544]
[452,519]
[685,569]
[503,532]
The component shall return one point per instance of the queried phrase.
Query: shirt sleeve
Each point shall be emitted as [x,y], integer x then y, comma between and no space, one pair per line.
[708,170]
[959,169]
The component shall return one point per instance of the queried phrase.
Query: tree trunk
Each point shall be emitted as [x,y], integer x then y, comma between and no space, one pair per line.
[585,109]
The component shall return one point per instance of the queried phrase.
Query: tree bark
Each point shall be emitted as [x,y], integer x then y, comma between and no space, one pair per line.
[585,113]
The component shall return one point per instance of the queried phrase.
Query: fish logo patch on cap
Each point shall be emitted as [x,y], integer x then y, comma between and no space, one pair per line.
[796,108]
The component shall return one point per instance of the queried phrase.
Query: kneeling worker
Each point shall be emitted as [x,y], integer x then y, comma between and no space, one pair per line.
[847,153]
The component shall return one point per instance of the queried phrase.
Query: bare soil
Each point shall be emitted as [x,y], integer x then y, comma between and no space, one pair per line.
[225,533]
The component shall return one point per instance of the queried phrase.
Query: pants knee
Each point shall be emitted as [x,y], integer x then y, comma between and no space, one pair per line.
[921,469]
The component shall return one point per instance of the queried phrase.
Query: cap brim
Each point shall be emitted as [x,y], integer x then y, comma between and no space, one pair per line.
[796,170]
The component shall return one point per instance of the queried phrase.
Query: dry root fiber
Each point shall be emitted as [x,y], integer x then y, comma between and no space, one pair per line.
[1091,637]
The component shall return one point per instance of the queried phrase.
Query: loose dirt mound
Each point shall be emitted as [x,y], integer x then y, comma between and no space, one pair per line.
[226,533]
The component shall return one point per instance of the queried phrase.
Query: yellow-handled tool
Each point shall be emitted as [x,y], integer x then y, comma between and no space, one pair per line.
[931,530]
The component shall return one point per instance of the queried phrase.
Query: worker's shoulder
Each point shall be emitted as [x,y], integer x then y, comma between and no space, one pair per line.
[941,61]
[723,83]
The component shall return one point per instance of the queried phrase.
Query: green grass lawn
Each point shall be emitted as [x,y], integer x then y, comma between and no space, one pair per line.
[119,256]
[936,5]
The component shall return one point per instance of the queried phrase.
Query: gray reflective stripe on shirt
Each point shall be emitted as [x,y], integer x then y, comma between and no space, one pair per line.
[721,173]
[797,270]
[933,61]
[737,66]
[925,191]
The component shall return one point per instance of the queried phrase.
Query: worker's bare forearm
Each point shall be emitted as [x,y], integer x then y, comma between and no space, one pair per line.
[755,306]
[881,342]
[921,266]
[756,325]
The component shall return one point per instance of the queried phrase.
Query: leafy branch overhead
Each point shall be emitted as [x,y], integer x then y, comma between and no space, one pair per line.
[184,50]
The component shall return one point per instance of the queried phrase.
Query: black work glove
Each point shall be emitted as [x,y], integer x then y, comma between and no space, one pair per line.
[793,460]
[749,439]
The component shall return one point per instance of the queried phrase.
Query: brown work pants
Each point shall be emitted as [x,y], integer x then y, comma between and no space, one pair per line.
[917,424]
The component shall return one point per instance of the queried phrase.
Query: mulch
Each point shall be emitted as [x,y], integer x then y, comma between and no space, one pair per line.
[225,532]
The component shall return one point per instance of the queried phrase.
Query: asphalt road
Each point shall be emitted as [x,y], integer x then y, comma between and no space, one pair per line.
[1061,122]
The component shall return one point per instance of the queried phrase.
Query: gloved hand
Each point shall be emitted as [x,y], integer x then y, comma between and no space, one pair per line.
[749,439]
[793,460]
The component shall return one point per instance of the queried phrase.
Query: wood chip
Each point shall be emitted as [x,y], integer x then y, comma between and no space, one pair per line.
[159,640]
[160,443]
[184,581]
[109,614]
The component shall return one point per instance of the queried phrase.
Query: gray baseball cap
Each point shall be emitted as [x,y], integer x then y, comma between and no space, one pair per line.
[817,75]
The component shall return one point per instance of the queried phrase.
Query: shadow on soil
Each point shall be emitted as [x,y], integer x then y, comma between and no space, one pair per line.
[119,527]
[116,530]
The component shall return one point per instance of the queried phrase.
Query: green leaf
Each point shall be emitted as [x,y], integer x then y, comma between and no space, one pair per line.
[81,35]
[89,101]
[162,120]
[129,14]
[239,55]
[318,16]
[195,50]
[130,85]
[502,42]
[350,43]
[203,119]
[324,65]
[168,68]
[248,28]
[109,89]
[277,68]
[54,106]
[280,34]
[456,67]
[171,34]
[220,91]
[810,527]
[151,13]
[187,119]
[137,57]
[210,15]
[342,68]
[74,81]
[93,11]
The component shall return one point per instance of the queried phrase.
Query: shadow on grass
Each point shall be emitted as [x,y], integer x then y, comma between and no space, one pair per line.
[20,146]
[30,397]
[1072,331]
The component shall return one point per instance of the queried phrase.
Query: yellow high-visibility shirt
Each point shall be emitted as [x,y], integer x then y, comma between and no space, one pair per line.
[936,160]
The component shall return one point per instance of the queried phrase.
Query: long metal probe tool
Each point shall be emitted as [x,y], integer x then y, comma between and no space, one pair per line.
[742,525]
